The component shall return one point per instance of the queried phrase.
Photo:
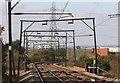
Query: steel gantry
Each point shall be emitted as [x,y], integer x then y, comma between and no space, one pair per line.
[65,36]
[35,41]
[33,21]
[54,36]
[26,35]
[23,31]
[38,35]
[10,14]
[39,41]
[73,19]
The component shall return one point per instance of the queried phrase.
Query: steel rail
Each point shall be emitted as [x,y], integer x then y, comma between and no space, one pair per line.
[39,74]
[55,75]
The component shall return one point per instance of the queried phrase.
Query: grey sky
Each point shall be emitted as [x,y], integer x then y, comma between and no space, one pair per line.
[107,31]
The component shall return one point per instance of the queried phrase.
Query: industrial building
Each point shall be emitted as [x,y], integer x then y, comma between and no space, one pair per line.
[104,51]
[101,51]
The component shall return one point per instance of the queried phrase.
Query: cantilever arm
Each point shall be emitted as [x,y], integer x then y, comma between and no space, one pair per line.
[15,4]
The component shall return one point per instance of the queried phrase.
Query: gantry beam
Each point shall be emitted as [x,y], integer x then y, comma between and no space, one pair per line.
[67,13]
[42,41]
[49,31]
[58,20]
[42,44]
[43,36]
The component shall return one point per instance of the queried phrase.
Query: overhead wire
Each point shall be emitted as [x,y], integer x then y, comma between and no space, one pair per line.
[107,36]
[102,22]
[97,24]
[64,9]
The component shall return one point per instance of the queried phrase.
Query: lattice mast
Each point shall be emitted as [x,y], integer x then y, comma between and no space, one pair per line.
[53,25]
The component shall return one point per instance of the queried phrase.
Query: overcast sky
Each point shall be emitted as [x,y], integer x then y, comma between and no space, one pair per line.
[107,29]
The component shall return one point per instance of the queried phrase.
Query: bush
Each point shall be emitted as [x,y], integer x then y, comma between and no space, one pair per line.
[103,61]
[50,55]
[4,63]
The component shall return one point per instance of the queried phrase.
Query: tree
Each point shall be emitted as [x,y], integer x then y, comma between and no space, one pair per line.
[78,47]
[50,54]
[83,58]
[16,46]
[4,62]
[103,61]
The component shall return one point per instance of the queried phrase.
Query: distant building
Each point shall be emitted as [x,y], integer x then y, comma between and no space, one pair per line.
[101,51]
[47,46]
[114,50]
[104,51]
[40,47]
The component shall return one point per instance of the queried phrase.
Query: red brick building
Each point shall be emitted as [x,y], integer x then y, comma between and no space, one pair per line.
[101,51]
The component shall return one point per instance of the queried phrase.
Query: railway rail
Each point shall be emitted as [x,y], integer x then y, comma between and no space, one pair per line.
[48,73]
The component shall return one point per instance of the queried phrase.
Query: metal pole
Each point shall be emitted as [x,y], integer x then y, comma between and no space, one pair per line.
[26,44]
[10,41]
[58,46]
[89,68]
[20,50]
[21,34]
[98,70]
[24,41]
[24,56]
[74,46]
[33,48]
[66,51]
[93,65]
[24,48]
[13,63]
[95,45]
[26,52]
[69,53]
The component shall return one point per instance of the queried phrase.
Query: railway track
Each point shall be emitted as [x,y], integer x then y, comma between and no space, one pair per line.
[46,76]
[48,73]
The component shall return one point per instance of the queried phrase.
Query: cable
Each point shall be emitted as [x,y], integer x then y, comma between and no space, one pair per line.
[91,13]
[102,22]
[106,36]
[97,24]
[64,9]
